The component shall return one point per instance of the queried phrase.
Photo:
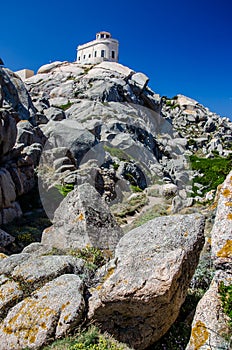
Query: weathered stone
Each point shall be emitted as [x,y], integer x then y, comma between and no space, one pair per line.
[5,239]
[10,293]
[37,271]
[7,265]
[8,132]
[7,186]
[16,95]
[46,68]
[54,113]
[82,219]
[50,312]
[221,234]
[153,267]
[11,213]
[140,79]
[210,329]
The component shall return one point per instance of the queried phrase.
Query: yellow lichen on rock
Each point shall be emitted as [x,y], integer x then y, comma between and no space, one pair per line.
[199,335]
[3,256]
[226,250]
[227,193]
[229,216]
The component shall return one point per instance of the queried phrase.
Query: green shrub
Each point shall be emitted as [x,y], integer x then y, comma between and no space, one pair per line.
[93,340]
[214,171]
[93,256]
[117,152]
[66,106]
[64,189]
[226,298]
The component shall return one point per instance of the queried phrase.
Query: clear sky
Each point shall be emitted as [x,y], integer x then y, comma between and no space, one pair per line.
[183,46]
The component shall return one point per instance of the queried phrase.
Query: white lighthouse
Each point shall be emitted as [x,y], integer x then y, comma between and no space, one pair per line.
[103,48]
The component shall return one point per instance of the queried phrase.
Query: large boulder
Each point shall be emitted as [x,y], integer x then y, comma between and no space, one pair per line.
[221,233]
[48,313]
[82,219]
[142,291]
[16,95]
[210,327]
[8,132]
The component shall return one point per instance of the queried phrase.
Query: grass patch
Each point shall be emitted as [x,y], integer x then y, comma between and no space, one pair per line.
[66,106]
[64,189]
[226,299]
[117,152]
[93,256]
[152,213]
[214,171]
[88,339]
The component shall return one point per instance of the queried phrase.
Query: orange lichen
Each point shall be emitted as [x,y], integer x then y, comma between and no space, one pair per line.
[226,250]
[199,335]
[48,229]
[109,273]
[229,216]
[228,204]
[80,217]
[3,256]
[186,234]
[226,193]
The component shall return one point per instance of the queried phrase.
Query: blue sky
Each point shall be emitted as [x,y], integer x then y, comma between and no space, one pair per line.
[183,46]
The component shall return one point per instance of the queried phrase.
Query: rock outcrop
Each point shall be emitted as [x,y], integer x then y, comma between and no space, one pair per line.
[83,219]
[20,145]
[210,328]
[142,290]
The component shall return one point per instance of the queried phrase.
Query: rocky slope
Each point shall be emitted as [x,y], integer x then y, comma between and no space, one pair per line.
[100,133]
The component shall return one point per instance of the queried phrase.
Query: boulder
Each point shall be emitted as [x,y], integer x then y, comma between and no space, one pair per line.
[16,95]
[48,313]
[221,234]
[70,134]
[53,113]
[82,219]
[210,327]
[8,132]
[140,295]
[5,239]
[46,68]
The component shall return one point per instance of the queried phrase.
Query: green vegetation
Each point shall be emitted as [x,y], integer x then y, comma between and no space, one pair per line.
[226,298]
[27,229]
[135,188]
[152,213]
[117,152]
[66,106]
[93,256]
[214,171]
[129,207]
[65,189]
[90,339]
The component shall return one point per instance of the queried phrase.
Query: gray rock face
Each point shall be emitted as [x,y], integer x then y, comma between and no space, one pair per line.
[222,230]
[210,327]
[49,312]
[83,219]
[5,239]
[8,132]
[16,95]
[140,297]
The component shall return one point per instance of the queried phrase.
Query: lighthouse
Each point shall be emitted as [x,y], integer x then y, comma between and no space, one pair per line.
[103,48]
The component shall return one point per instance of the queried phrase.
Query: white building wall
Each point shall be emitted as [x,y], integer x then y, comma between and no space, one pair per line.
[86,52]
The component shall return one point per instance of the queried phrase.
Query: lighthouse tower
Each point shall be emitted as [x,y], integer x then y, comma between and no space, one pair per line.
[103,48]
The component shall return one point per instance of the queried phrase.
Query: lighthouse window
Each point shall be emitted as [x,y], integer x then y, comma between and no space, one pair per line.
[102,35]
[84,57]
[95,53]
[113,54]
[102,53]
[89,55]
